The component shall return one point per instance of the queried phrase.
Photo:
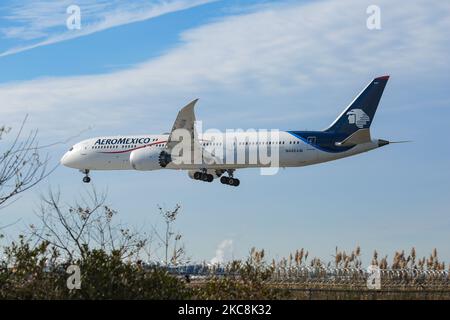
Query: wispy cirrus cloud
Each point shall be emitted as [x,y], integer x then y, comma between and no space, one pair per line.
[34,24]
[282,55]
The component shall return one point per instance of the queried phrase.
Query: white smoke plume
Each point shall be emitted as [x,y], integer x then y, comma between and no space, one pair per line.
[224,252]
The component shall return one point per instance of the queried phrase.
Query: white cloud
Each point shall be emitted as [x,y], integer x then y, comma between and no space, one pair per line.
[273,56]
[224,252]
[46,20]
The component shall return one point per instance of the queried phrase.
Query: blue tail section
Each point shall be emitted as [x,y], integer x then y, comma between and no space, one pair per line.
[359,114]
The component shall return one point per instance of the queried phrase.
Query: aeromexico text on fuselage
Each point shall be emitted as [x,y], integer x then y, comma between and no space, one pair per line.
[123,141]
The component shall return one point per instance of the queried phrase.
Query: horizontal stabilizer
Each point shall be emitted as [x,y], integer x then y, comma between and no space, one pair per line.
[360,136]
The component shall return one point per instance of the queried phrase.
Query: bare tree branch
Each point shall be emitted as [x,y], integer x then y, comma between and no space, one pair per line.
[21,165]
[169,238]
[84,226]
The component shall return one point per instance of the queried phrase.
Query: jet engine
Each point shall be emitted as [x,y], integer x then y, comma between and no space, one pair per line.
[146,159]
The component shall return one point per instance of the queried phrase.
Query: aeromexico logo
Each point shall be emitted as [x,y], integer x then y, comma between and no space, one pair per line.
[358,117]
[123,141]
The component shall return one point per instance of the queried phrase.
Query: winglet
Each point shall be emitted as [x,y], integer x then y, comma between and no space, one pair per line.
[193,101]
[190,104]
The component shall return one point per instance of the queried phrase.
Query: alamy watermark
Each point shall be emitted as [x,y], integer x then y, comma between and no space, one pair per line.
[74,280]
[215,150]
[373,21]
[73,22]
[373,277]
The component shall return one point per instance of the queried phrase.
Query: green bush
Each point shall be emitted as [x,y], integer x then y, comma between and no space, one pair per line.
[33,273]
[108,277]
[39,272]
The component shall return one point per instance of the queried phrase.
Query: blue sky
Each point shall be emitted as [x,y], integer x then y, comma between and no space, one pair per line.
[253,64]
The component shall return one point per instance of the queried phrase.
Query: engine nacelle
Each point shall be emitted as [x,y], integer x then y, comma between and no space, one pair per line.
[146,159]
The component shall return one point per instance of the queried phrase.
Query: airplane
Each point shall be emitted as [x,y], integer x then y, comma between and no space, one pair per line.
[348,135]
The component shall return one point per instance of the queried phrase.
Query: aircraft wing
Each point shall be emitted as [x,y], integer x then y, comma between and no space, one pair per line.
[186,120]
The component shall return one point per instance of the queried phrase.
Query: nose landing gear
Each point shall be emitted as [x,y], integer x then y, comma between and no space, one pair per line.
[86,178]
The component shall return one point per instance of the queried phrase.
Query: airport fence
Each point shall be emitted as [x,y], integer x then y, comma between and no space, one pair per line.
[318,277]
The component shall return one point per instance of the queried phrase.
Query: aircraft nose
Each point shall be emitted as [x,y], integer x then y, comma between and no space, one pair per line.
[68,160]
[63,160]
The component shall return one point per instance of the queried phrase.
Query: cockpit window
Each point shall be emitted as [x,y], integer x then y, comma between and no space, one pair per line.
[71,149]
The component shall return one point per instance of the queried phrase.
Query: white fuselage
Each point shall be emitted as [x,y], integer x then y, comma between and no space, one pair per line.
[113,153]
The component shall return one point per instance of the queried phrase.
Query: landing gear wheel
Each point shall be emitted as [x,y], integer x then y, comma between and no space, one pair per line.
[230,181]
[224,180]
[207,177]
[197,175]
[203,176]
[86,178]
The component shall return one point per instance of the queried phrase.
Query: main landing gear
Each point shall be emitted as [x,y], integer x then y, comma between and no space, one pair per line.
[203,176]
[86,178]
[230,180]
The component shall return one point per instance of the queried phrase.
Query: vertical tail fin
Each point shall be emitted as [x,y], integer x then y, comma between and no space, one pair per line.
[359,114]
